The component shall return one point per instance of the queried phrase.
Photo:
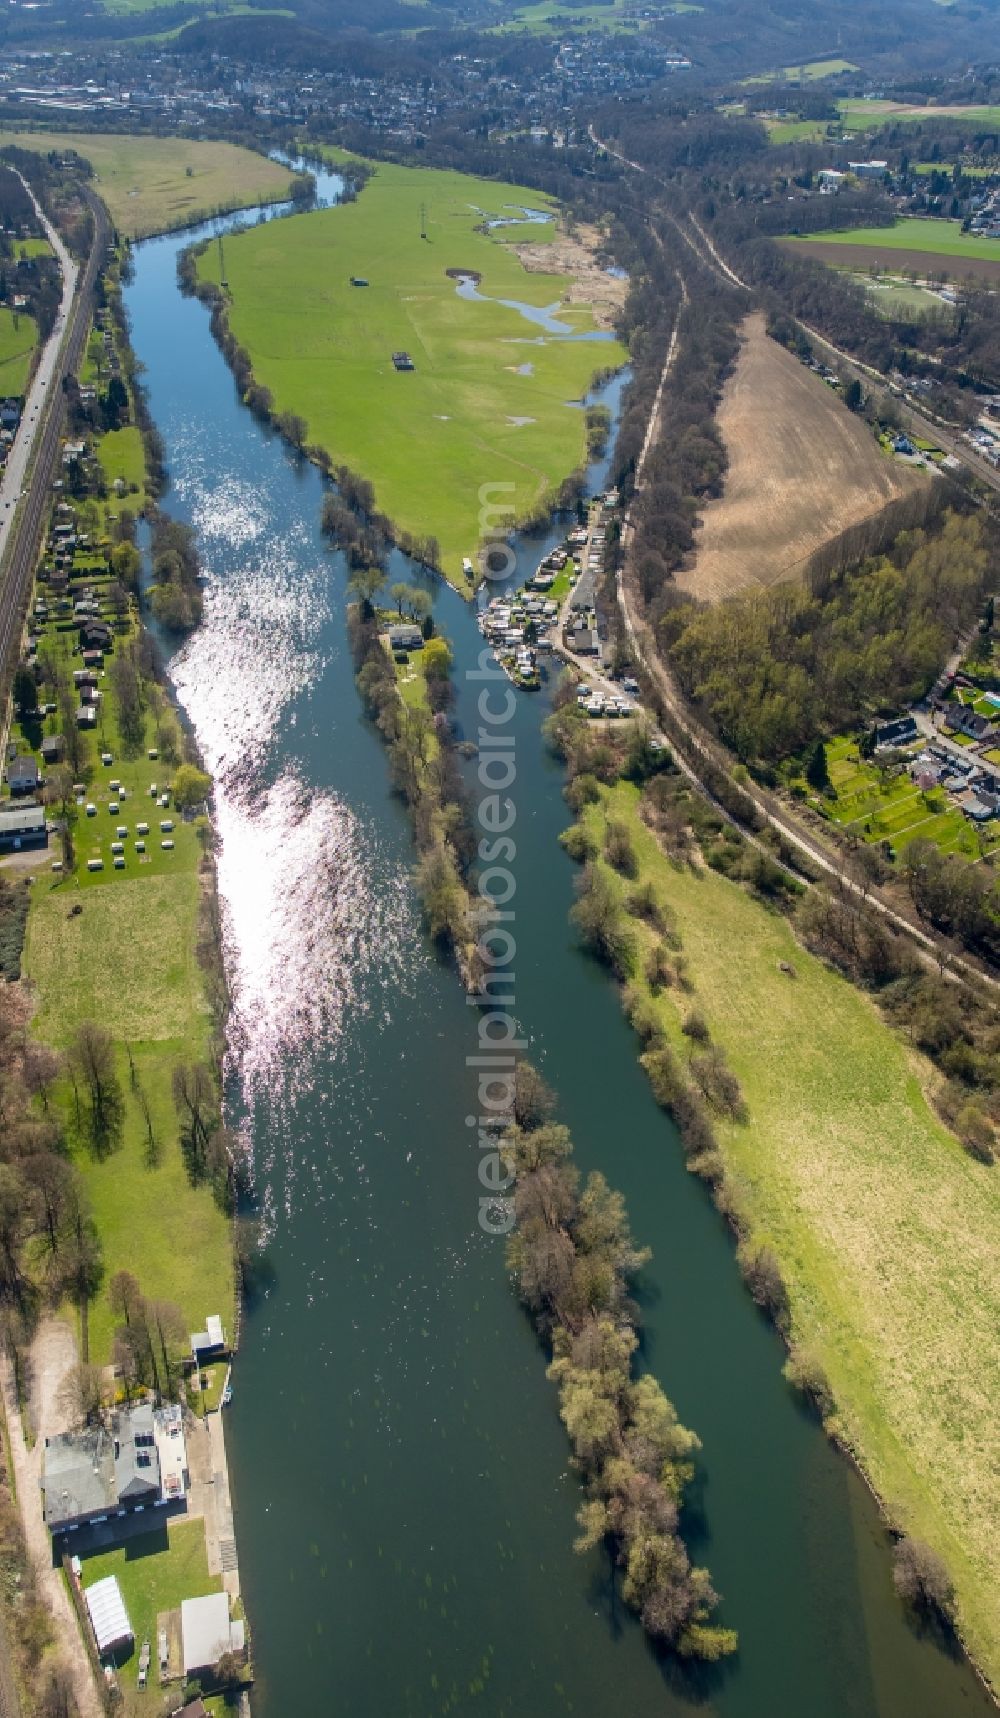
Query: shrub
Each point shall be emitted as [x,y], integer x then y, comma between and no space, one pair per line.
[619,850]
[695,1027]
[762,1275]
[921,1579]
[659,972]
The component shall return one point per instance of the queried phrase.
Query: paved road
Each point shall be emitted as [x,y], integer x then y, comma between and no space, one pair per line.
[41,429]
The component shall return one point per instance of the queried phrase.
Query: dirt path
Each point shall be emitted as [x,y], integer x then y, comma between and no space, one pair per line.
[53,1355]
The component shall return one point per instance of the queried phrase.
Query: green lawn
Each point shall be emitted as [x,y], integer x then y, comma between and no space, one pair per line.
[121,454]
[213,1381]
[444,441]
[32,248]
[935,237]
[16,346]
[155,1572]
[151,184]
[884,1227]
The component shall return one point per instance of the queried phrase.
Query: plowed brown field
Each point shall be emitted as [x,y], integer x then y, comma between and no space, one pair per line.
[802,469]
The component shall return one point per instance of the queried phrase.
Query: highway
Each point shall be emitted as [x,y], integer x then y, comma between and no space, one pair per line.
[26,488]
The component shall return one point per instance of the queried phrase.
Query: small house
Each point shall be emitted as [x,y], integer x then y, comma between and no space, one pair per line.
[21,827]
[53,747]
[22,775]
[403,361]
[405,638]
[210,1343]
[900,732]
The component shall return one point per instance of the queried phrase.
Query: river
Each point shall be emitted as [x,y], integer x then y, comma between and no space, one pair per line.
[405,1507]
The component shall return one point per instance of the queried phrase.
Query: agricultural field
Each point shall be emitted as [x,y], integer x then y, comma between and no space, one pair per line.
[493,396]
[17,343]
[885,1229]
[801,469]
[929,246]
[880,807]
[151,184]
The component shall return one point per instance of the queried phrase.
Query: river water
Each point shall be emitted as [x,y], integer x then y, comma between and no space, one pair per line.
[405,1508]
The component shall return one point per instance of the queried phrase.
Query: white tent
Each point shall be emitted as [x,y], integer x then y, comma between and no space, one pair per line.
[108,1614]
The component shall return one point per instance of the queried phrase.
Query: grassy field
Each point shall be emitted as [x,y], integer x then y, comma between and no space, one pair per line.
[896,810]
[151,184]
[801,469]
[857,115]
[16,346]
[812,72]
[928,167]
[796,130]
[488,401]
[928,246]
[895,297]
[156,1571]
[886,1230]
[118,947]
[935,237]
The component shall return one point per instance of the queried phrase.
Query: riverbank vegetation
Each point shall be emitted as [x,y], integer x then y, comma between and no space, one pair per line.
[865,1229]
[321,304]
[574,1261]
[408,697]
[153,184]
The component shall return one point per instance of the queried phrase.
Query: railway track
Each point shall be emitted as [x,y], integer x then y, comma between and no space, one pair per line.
[21,556]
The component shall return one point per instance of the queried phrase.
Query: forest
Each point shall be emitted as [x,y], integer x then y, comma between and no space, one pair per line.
[773,670]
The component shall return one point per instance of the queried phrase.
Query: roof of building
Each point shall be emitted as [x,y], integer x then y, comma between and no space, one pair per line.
[400,636]
[23,768]
[19,819]
[213,1335]
[207,1631]
[78,1475]
[137,1463]
[108,1613]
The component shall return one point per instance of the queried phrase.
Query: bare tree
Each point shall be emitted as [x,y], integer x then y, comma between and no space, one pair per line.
[197,1106]
[92,1059]
[81,1394]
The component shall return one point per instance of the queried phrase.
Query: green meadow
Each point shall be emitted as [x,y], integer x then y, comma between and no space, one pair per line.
[16,346]
[935,237]
[858,115]
[885,1229]
[486,415]
[152,184]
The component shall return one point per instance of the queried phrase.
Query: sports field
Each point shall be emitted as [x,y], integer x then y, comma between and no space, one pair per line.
[16,346]
[801,469]
[151,184]
[885,1229]
[929,246]
[485,419]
